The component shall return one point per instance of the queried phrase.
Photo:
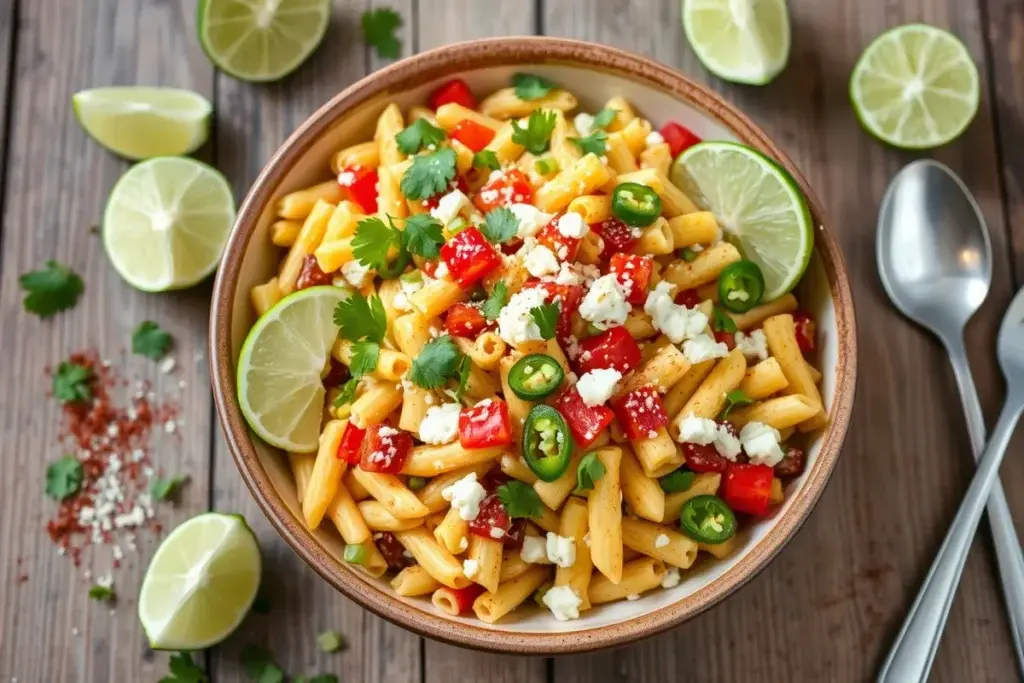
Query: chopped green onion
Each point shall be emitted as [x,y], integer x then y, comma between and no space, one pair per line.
[355,553]
[687,254]
[546,166]
[457,225]
[416,483]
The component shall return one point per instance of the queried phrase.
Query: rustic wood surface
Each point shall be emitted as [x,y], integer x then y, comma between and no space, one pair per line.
[825,610]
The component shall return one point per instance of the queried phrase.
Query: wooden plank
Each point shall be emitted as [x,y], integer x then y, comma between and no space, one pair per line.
[256,119]
[8,19]
[828,607]
[56,188]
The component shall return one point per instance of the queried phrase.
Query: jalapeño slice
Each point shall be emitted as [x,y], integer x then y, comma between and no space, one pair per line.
[535,376]
[547,443]
[635,204]
[740,286]
[707,519]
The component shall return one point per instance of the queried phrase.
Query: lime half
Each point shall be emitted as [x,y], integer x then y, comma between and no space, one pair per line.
[261,40]
[201,583]
[915,87]
[744,41]
[279,387]
[757,204]
[142,123]
[166,223]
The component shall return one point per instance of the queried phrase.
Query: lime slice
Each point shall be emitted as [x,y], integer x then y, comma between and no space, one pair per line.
[166,223]
[744,41]
[261,40]
[142,123]
[201,583]
[915,87]
[759,206]
[279,387]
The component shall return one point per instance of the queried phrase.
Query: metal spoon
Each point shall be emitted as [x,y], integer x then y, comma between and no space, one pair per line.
[914,649]
[935,262]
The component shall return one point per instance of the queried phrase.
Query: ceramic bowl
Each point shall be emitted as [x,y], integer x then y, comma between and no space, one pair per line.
[593,73]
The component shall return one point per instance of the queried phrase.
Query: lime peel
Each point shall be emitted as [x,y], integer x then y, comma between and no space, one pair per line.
[743,41]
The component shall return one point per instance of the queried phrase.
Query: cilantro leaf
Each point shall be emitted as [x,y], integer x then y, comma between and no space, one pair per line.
[64,477]
[102,593]
[150,341]
[486,158]
[722,321]
[733,399]
[604,118]
[546,317]
[500,225]
[360,318]
[373,241]
[519,500]
[588,472]
[537,133]
[595,143]
[379,26]
[496,301]
[423,235]
[530,87]
[258,664]
[184,670]
[437,362]
[72,382]
[348,393]
[679,480]
[331,641]
[464,368]
[420,133]
[429,174]
[364,358]
[51,290]
[163,488]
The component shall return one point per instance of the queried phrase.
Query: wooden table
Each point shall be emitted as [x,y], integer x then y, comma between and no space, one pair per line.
[825,610]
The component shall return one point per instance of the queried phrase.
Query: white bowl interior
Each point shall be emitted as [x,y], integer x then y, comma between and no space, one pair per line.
[592,89]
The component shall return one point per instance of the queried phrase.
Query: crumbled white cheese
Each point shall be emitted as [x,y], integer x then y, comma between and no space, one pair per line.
[401,302]
[704,347]
[584,123]
[654,138]
[699,430]
[597,386]
[531,219]
[355,273]
[497,533]
[726,443]
[541,261]
[753,345]
[678,323]
[661,541]
[463,544]
[534,550]
[449,206]
[633,596]
[605,304]
[441,271]
[465,496]
[561,550]
[761,443]
[515,322]
[671,579]
[441,424]
[470,568]
[571,224]
[563,602]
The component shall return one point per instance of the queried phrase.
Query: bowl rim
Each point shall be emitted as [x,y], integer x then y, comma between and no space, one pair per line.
[451,60]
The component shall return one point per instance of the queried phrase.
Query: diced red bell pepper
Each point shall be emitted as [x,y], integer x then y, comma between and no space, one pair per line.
[470,257]
[458,183]
[455,91]
[474,135]
[727,338]
[679,138]
[310,275]
[633,273]
[585,422]
[384,449]
[492,516]
[689,298]
[562,246]
[805,331]
[703,458]
[462,599]
[465,320]
[511,187]
[359,184]
[569,298]
[351,442]
[392,550]
[748,488]
[614,348]
[484,425]
[641,413]
[617,236]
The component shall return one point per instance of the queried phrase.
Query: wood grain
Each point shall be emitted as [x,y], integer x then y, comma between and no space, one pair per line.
[8,31]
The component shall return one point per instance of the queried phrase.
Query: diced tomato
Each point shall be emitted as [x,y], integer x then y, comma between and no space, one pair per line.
[455,91]
[563,246]
[633,273]
[465,320]
[429,268]
[727,338]
[384,449]
[703,458]
[462,599]
[337,375]
[484,425]
[617,236]
[511,187]
[458,183]
[391,550]
[569,298]
[359,184]
[747,488]
[493,479]
[310,275]
[512,246]
[470,257]
[792,463]
[474,135]
[641,413]
[689,298]
[679,138]
[585,422]
[514,536]
[351,441]
[492,516]
[614,348]
[805,331]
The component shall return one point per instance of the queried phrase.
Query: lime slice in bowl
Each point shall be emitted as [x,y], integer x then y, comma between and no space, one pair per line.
[279,387]
[915,87]
[166,223]
[200,584]
[758,205]
[743,41]
[142,123]
[261,40]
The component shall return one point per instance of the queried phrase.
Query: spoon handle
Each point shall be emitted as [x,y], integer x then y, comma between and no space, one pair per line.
[911,656]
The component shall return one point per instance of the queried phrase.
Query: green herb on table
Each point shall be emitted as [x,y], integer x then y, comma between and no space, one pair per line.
[429,174]
[595,143]
[420,133]
[258,665]
[500,225]
[261,604]
[531,87]
[184,670]
[102,593]
[537,133]
[379,26]
[437,362]
[520,500]
[51,290]
[72,382]
[322,678]
[164,488]
[150,340]
[331,641]
[63,477]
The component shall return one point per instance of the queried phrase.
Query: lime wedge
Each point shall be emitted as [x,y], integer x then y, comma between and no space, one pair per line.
[142,123]
[915,87]
[279,387]
[261,40]
[758,205]
[166,223]
[201,583]
[743,41]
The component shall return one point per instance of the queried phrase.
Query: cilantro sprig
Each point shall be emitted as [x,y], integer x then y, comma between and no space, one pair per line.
[496,301]
[53,289]
[420,133]
[331,641]
[537,133]
[362,321]
[546,316]
[347,393]
[429,174]
[486,158]
[102,593]
[64,477]
[595,143]
[500,225]
[437,363]
[72,382]
[184,670]
[164,488]
[734,399]
[589,471]
[722,321]
[379,26]
[679,480]
[374,240]
[520,500]
[604,118]
[531,87]
[423,236]
[150,340]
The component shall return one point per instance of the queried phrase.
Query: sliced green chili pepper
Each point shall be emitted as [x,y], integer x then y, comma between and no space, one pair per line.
[635,204]
[395,268]
[740,286]
[547,443]
[535,376]
[707,519]
[355,553]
